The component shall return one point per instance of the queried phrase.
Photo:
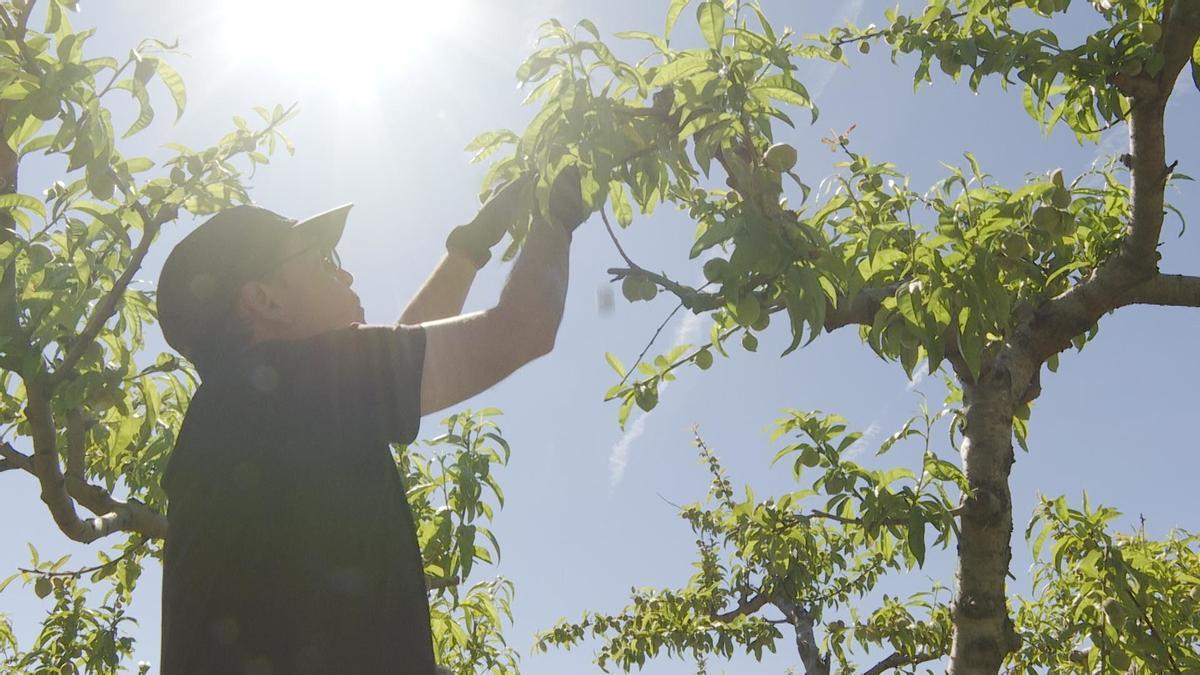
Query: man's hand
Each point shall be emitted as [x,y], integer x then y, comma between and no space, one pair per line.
[499,213]
[512,203]
[566,200]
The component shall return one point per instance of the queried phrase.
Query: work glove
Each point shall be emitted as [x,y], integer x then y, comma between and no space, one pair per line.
[494,219]
[566,200]
[511,203]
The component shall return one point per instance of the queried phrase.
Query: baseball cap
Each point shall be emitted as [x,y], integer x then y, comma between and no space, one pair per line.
[204,272]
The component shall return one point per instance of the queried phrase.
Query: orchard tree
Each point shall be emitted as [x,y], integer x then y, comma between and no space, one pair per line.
[91,417]
[981,282]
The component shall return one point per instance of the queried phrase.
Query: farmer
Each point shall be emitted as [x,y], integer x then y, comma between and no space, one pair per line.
[291,547]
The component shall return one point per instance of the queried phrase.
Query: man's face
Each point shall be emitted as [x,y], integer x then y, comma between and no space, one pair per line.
[305,294]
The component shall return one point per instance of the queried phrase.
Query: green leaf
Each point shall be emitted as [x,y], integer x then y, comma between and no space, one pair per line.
[174,83]
[621,207]
[1196,65]
[642,35]
[590,27]
[145,111]
[673,14]
[615,363]
[19,201]
[916,537]
[678,68]
[711,17]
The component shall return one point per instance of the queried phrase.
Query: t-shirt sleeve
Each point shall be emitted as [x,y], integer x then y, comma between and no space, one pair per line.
[368,377]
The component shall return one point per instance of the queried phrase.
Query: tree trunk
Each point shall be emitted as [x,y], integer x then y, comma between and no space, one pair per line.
[983,632]
[814,662]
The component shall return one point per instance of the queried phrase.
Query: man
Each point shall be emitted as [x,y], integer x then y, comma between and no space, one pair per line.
[291,547]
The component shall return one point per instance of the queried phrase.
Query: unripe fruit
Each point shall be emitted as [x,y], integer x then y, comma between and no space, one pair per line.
[764,320]
[1113,610]
[1045,218]
[836,52]
[1120,660]
[714,270]
[1015,246]
[1057,178]
[1131,68]
[810,457]
[749,342]
[780,157]
[704,359]
[747,310]
[1150,32]
[864,47]
[629,288]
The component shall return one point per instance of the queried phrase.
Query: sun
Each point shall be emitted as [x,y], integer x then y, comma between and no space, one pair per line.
[342,44]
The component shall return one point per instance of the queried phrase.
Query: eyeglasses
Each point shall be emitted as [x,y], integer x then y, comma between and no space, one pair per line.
[330,261]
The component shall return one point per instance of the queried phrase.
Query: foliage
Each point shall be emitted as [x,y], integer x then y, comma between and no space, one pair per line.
[992,280]
[783,552]
[77,385]
[1108,601]
[960,281]
[453,493]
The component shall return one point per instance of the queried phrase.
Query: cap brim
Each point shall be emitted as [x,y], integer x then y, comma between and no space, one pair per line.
[324,228]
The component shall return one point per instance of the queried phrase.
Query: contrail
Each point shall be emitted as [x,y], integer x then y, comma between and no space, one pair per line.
[618,458]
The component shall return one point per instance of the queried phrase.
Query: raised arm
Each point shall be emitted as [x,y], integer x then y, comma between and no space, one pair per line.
[467,354]
[443,293]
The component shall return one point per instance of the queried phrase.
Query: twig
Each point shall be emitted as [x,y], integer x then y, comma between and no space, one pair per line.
[649,344]
[88,570]
[613,236]
[438,583]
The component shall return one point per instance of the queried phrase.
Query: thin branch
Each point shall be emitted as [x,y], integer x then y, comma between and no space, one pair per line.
[613,235]
[108,306]
[744,608]
[649,344]
[897,660]
[88,570]
[438,583]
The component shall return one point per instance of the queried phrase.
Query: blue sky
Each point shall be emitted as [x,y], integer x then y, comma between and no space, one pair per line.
[587,516]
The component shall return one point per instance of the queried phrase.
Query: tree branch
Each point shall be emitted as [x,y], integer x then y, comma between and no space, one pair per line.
[744,608]
[1147,145]
[857,311]
[1115,285]
[1174,290]
[896,660]
[113,514]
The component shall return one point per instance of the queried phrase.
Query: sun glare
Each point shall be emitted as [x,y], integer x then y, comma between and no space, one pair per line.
[346,44]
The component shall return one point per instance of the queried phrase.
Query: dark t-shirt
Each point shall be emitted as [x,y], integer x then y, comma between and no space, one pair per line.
[291,547]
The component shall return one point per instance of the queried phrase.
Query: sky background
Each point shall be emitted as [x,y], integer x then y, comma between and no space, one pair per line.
[389,99]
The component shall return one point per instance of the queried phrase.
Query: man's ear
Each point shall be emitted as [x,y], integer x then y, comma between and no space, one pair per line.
[256,302]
